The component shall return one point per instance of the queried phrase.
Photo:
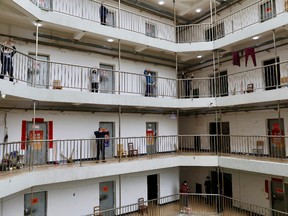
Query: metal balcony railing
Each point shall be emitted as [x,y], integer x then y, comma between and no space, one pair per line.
[55,75]
[191,204]
[238,18]
[27,154]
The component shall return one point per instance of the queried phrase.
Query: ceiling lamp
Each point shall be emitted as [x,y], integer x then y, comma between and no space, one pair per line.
[198,10]
[255,38]
[161,2]
[110,40]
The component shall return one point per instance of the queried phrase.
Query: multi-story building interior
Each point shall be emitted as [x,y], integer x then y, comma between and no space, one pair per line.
[186,89]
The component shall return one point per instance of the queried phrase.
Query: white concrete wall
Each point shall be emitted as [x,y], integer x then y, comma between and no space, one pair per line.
[168,184]
[12,205]
[65,198]
[252,123]
[76,125]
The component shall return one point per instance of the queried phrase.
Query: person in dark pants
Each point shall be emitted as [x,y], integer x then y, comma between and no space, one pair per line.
[103,14]
[149,83]
[208,187]
[100,135]
[7,60]
[184,189]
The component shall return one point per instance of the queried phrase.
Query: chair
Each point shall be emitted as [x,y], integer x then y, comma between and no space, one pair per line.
[259,150]
[120,151]
[57,84]
[142,208]
[131,151]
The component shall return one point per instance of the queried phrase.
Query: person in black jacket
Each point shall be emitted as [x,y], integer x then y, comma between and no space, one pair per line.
[103,14]
[7,60]
[100,135]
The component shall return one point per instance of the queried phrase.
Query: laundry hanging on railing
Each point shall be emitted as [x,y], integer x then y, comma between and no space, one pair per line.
[250,52]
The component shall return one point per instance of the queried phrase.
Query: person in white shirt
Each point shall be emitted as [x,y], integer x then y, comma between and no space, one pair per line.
[95,78]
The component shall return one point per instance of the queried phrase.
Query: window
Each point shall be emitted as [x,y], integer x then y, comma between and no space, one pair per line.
[272,73]
[150,30]
[111,21]
[267,10]
[106,78]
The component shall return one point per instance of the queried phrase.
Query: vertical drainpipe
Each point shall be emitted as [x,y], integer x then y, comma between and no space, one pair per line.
[119,65]
[275,53]
[214,89]
[119,134]
[36,53]
[119,90]
[178,95]
[33,137]
[211,13]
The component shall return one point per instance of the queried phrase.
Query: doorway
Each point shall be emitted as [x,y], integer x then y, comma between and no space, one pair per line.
[272,74]
[110,127]
[106,197]
[277,194]
[151,133]
[37,154]
[276,138]
[152,187]
[219,83]
[219,143]
[106,78]
[38,73]
[225,187]
[35,204]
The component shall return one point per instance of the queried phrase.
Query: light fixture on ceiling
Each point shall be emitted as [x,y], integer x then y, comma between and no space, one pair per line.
[198,10]
[255,38]
[173,116]
[199,56]
[110,40]
[37,23]
[161,2]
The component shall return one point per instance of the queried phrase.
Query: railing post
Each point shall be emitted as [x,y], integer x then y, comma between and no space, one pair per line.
[81,84]
[81,152]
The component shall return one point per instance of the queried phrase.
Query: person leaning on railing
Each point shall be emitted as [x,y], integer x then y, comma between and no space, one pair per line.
[8,50]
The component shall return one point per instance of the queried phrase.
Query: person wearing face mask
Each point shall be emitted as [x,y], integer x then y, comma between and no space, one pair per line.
[7,54]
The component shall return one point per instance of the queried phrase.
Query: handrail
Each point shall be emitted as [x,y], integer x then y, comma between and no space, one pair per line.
[193,204]
[177,33]
[16,155]
[56,75]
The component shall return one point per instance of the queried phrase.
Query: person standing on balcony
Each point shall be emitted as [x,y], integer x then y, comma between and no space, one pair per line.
[184,189]
[149,83]
[8,50]
[100,135]
[103,14]
[95,78]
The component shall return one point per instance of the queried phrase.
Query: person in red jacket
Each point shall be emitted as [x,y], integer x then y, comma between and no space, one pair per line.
[184,189]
